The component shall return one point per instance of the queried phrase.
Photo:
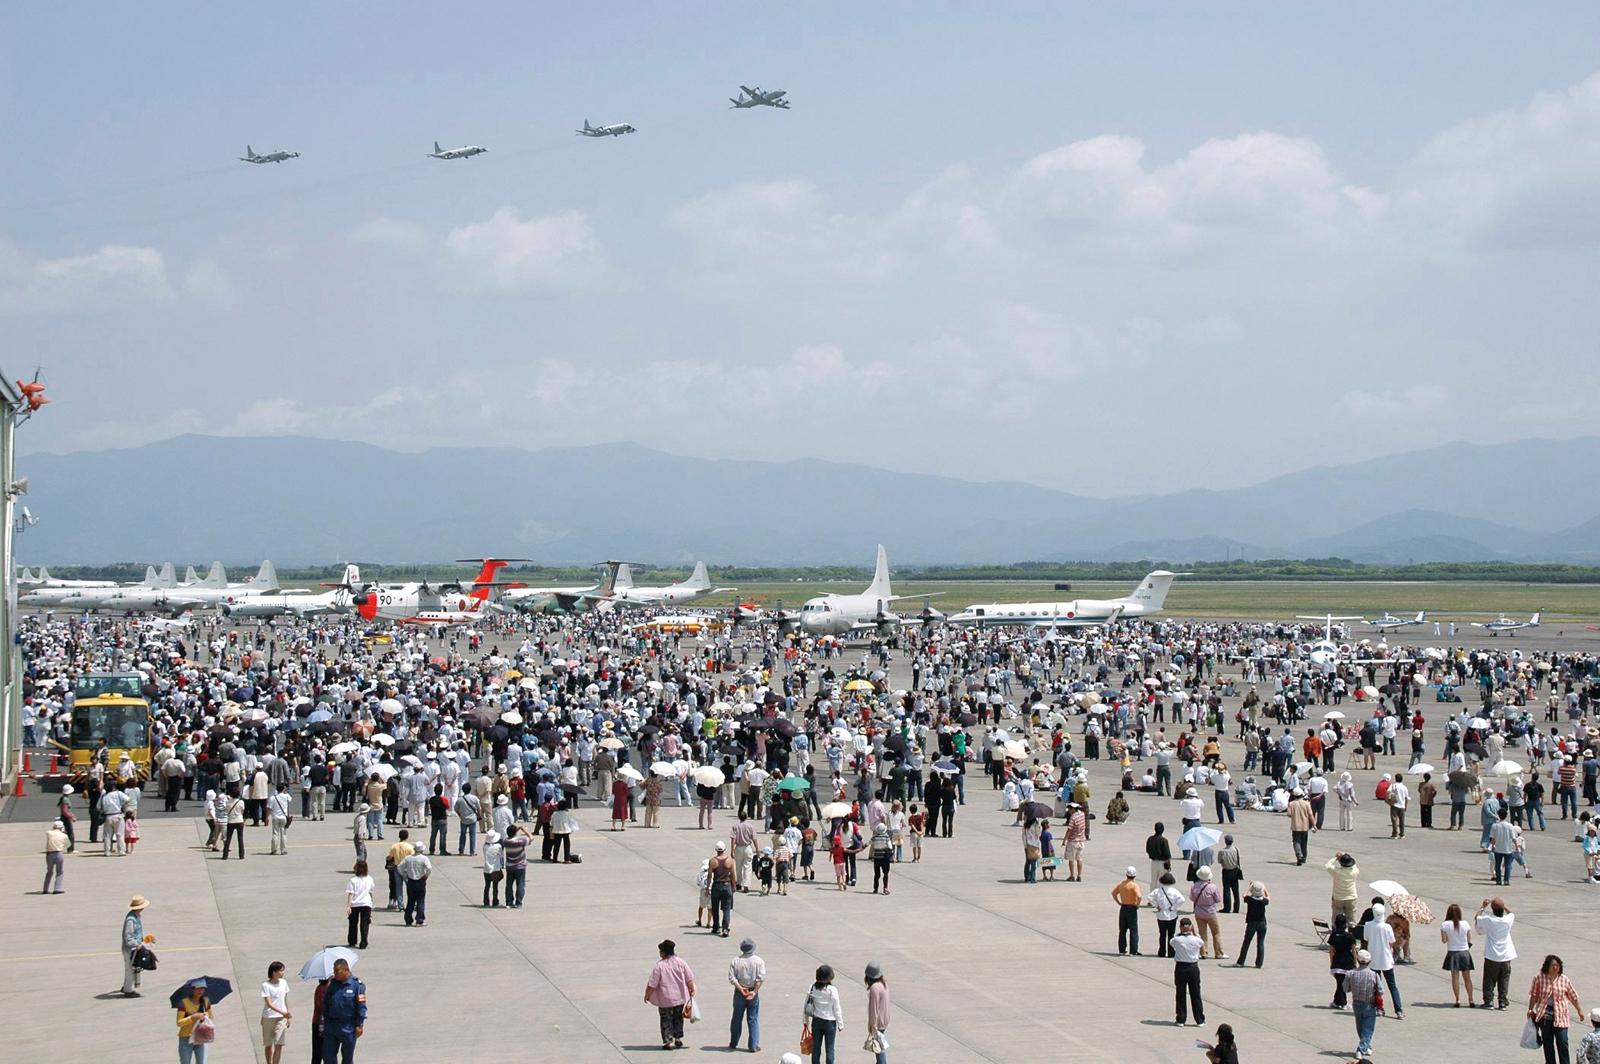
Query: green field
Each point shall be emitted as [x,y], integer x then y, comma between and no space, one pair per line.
[1274,599]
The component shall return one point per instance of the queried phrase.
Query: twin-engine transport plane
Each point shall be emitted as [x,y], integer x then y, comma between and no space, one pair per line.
[250,156]
[749,97]
[456,153]
[615,130]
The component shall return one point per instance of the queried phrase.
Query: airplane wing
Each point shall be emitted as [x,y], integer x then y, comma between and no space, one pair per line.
[902,598]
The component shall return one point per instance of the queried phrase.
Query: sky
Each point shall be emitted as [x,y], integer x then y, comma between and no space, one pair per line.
[1113,249]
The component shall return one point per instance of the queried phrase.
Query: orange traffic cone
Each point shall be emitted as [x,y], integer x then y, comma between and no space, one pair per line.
[27,761]
[20,790]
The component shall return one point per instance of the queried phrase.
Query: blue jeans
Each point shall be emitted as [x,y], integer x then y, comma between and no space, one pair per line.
[1366,1021]
[516,885]
[1394,991]
[1224,805]
[822,1034]
[1502,867]
[742,1010]
[1569,801]
[467,837]
[375,823]
[1532,811]
[192,1054]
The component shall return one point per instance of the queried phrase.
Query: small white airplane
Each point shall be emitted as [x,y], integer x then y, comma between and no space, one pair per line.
[698,585]
[1505,624]
[843,614]
[615,130]
[250,156]
[749,97]
[1146,599]
[1388,621]
[1328,655]
[456,153]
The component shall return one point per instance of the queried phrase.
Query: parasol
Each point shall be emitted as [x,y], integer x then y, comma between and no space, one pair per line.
[628,772]
[709,776]
[1503,768]
[320,966]
[1333,714]
[794,784]
[610,742]
[1386,888]
[1462,778]
[664,769]
[1199,838]
[1420,767]
[833,810]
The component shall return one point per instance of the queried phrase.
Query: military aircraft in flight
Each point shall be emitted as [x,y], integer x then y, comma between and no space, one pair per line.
[456,153]
[749,97]
[615,130]
[250,156]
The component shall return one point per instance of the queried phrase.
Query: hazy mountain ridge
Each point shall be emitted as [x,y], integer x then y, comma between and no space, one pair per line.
[301,500]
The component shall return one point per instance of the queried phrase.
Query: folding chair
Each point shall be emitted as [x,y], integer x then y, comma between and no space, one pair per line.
[1323,930]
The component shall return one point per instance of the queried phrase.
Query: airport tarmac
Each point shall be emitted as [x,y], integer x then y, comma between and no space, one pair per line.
[981,966]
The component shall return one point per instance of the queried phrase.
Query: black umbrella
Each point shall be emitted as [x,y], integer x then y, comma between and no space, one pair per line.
[785,727]
[897,743]
[1037,810]
[217,988]
[1463,779]
[571,789]
[967,719]
[404,746]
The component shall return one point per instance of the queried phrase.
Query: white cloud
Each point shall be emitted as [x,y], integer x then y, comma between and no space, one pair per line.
[1406,402]
[396,234]
[1518,178]
[514,253]
[111,276]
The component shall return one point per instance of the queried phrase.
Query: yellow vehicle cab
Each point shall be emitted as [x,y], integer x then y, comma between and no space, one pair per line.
[109,712]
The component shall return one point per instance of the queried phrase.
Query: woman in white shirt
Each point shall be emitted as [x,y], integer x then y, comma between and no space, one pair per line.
[358,906]
[275,1013]
[824,1015]
[1457,938]
[1167,900]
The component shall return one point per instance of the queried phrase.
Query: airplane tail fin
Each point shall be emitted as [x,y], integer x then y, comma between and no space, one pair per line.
[436,148]
[1152,590]
[249,152]
[43,575]
[168,577]
[879,588]
[352,575]
[699,580]
[624,577]
[1421,616]
[1535,618]
[587,128]
[190,576]
[150,577]
[608,583]
[216,577]
[266,577]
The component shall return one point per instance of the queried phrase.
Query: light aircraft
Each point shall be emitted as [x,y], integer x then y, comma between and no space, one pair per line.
[1146,599]
[616,130]
[843,614]
[1388,621]
[1505,624]
[697,586]
[250,156]
[1328,655]
[749,97]
[456,153]
[567,599]
[88,598]
[334,600]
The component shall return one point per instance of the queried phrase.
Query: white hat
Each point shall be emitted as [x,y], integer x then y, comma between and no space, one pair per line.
[1133,873]
[721,846]
[1204,872]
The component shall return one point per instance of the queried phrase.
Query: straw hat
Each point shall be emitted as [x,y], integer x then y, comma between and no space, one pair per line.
[138,903]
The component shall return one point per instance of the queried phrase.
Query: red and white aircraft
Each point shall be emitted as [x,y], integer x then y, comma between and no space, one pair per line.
[423,604]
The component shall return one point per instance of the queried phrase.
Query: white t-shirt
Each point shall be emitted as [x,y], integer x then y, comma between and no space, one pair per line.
[1496,932]
[1380,943]
[360,890]
[278,994]
[1456,935]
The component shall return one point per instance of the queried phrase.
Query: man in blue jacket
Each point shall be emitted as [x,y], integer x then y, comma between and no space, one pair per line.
[344,1014]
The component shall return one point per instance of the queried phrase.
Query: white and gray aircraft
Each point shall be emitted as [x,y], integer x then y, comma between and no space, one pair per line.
[456,153]
[869,610]
[88,598]
[567,599]
[1146,599]
[1506,624]
[250,156]
[697,586]
[336,599]
[615,130]
[749,97]
[1327,655]
[1389,622]
[41,578]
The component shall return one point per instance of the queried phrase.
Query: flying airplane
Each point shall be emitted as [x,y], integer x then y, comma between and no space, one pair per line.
[250,156]
[1146,599]
[456,153]
[697,586]
[335,600]
[1505,624]
[749,97]
[567,599]
[1388,621]
[616,130]
[843,614]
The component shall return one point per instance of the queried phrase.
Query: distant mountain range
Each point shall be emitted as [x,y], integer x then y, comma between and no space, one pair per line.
[300,500]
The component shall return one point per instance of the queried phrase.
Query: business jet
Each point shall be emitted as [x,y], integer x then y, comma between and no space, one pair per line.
[250,156]
[749,97]
[455,153]
[337,599]
[616,130]
[1388,622]
[842,614]
[1505,624]
[1146,599]
[697,586]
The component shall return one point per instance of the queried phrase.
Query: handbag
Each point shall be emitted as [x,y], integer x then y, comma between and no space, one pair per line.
[144,959]
[805,1038]
[877,1042]
[204,1032]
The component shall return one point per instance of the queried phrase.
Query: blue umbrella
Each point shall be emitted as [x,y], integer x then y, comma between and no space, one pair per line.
[946,765]
[318,716]
[217,988]
[1199,838]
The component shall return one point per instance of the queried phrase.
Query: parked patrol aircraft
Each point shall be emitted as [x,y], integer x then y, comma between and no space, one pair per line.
[271,157]
[1389,621]
[41,578]
[749,97]
[843,614]
[697,586]
[616,130]
[88,598]
[1505,624]
[335,600]
[456,153]
[1146,599]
